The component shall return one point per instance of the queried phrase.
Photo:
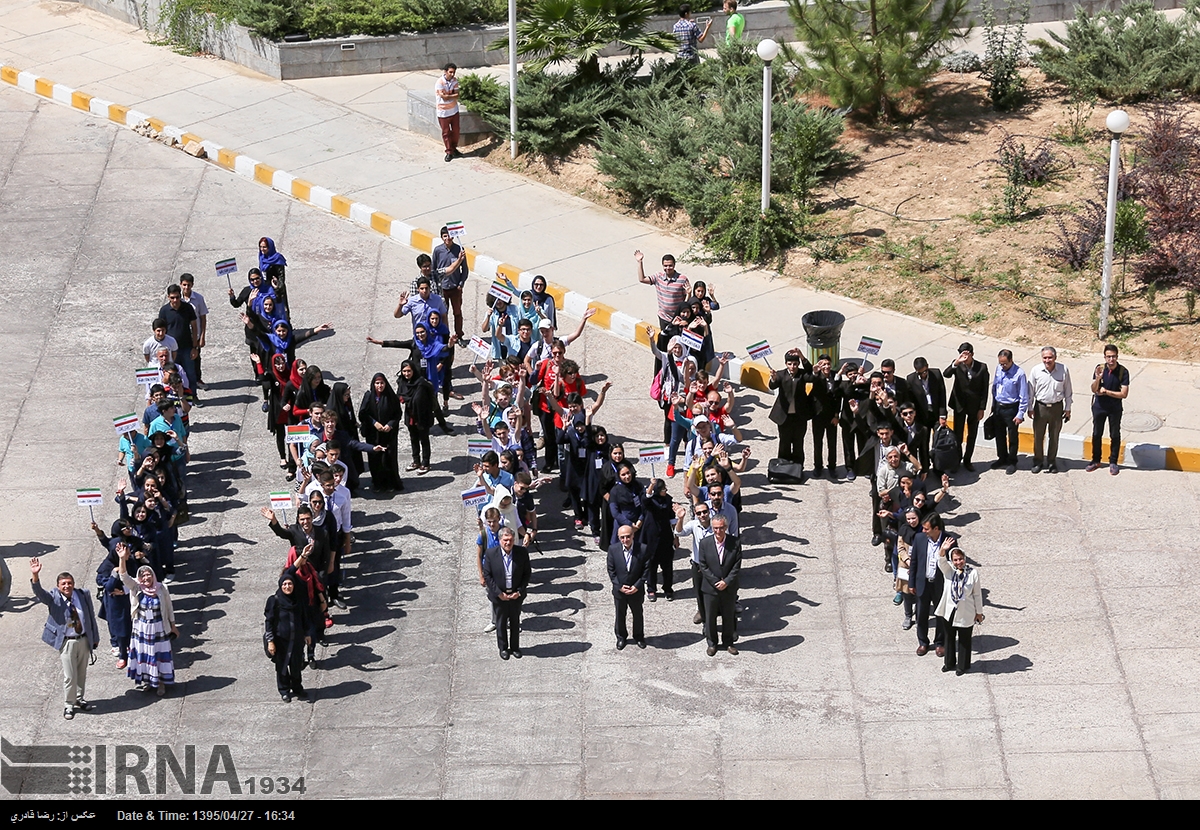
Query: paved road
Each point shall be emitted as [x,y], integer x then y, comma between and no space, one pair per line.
[1084,667]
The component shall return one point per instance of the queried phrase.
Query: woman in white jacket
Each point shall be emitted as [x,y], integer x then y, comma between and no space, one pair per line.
[961,607]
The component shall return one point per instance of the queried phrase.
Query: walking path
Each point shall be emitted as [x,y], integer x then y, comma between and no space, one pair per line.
[339,144]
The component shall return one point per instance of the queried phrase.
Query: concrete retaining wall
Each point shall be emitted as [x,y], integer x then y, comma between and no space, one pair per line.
[466,47]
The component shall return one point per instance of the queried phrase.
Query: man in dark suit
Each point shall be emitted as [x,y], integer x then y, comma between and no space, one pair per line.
[506,575]
[895,385]
[793,408]
[925,580]
[913,433]
[627,572]
[854,389]
[720,565]
[71,631]
[969,397]
[826,397]
[928,391]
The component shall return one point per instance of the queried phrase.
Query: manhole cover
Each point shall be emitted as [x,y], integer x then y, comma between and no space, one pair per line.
[1140,422]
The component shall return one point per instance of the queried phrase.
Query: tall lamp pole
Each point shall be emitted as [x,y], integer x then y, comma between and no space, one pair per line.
[1117,123]
[512,77]
[767,50]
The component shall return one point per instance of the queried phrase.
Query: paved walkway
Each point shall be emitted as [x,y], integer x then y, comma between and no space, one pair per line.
[345,136]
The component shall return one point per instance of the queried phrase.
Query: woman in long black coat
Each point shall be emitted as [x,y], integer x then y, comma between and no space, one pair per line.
[379,416]
[286,633]
[420,412]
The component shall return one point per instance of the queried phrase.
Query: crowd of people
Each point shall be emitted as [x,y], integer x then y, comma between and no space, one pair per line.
[906,435]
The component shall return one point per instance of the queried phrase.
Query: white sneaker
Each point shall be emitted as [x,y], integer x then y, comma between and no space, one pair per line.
[490,628]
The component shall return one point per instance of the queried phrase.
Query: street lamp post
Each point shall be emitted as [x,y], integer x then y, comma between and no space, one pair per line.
[512,77]
[1117,123]
[767,50]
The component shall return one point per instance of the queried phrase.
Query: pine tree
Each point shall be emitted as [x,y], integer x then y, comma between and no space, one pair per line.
[871,55]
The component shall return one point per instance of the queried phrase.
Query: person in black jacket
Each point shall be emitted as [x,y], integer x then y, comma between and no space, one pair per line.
[969,398]
[286,633]
[379,416]
[420,411]
[793,408]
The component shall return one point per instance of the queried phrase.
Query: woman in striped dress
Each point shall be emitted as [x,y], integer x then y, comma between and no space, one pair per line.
[150,662]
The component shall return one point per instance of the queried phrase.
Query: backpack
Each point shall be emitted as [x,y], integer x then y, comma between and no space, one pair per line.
[947,455]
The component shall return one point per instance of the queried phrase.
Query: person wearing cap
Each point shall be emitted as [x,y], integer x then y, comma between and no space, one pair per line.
[960,607]
[969,397]
[702,431]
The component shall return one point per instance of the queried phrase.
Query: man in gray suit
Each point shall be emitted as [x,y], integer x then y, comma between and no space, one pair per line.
[71,630]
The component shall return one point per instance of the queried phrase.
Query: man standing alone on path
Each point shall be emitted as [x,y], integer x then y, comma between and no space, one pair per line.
[1050,399]
[446,91]
[671,287]
[71,631]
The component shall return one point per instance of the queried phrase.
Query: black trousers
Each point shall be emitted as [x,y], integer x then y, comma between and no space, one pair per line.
[508,623]
[626,603]
[1006,432]
[958,644]
[661,561]
[824,436]
[851,444]
[925,604]
[724,604]
[696,580]
[961,421]
[419,439]
[791,439]
[289,663]
[1099,416]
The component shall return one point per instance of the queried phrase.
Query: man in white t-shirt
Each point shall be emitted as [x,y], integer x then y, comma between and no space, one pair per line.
[158,340]
[446,92]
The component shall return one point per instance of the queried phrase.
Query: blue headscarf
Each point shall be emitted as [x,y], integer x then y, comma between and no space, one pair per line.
[272,257]
[282,345]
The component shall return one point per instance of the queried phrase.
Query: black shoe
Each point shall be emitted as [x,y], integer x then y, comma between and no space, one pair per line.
[908,623]
[457,153]
[949,668]
[968,466]
[641,643]
[850,475]
[712,651]
[1053,468]
[960,672]
[447,429]
[285,697]
[265,406]
[887,566]
[818,472]
[449,156]
[653,597]
[68,713]
[503,654]
[1012,468]
[620,644]
[876,540]
[696,620]
[998,463]
[302,694]
[1037,468]
[670,596]
[516,652]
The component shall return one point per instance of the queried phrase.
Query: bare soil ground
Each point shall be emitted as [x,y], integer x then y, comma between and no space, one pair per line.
[915,225]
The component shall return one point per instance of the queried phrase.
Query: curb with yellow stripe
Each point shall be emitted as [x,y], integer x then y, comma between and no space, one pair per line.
[754,375]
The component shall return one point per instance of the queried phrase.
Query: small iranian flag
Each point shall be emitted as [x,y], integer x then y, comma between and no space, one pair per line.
[654,454]
[501,292]
[870,345]
[226,266]
[476,447]
[759,350]
[456,229]
[125,423]
[281,501]
[691,340]
[147,377]
[89,496]
[298,434]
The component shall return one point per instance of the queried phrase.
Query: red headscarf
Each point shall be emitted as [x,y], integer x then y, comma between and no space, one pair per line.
[308,574]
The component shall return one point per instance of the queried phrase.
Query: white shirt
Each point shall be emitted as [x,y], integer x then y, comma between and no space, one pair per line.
[151,346]
[1051,387]
[697,531]
[196,301]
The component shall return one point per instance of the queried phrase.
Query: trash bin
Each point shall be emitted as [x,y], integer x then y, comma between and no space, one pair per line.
[823,330]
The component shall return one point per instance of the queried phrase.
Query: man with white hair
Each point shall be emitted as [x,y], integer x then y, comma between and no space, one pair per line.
[1050,390]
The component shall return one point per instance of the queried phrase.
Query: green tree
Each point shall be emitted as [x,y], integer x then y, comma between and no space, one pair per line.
[578,30]
[872,55]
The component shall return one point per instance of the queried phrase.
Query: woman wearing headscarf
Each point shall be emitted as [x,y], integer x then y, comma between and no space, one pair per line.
[286,634]
[626,501]
[325,527]
[544,301]
[659,538]
[340,402]
[275,385]
[312,390]
[273,267]
[438,326]
[379,414]
[420,407]
[151,665]
[674,377]
[312,592]
[961,607]
[114,600]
